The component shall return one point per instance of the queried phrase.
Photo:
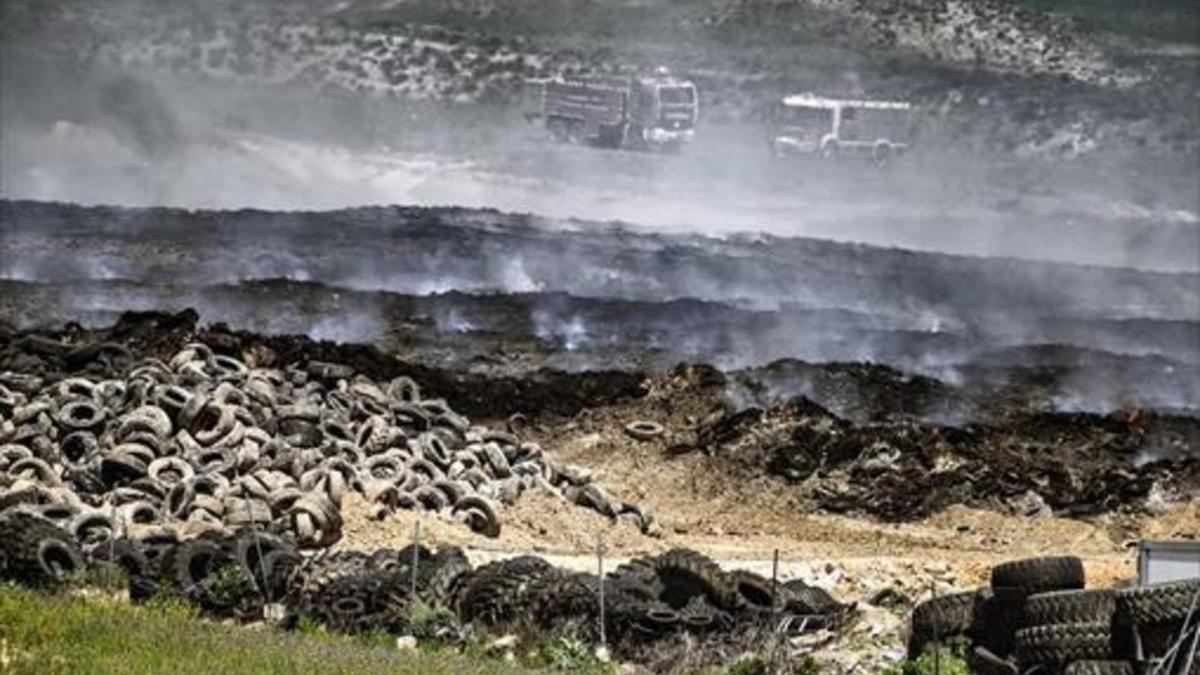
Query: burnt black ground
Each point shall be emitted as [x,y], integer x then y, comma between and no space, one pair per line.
[499,295]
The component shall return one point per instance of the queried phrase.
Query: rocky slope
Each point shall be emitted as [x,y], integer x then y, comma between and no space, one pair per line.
[984,73]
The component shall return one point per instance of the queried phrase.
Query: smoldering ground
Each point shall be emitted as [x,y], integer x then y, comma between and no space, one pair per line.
[117,106]
[126,131]
[581,297]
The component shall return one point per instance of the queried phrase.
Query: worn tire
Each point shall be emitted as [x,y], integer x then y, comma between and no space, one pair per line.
[93,528]
[643,430]
[451,570]
[755,593]
[498,590]
[997,618]
[36,552]
[1099,668]
[1055,607]
[480,514]
[700,617]
[1059,644]
[1039,575]
[268,560]
[637,579]
[939,618]
[45,559]
[360,602]
[191,562]
[1157,603]
[685,573]
[560,598]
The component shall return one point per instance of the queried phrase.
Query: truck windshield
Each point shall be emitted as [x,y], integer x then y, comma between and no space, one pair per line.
[677,95]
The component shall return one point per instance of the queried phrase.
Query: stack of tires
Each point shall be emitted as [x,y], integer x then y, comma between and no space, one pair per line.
[251,574]
[1155,617]
[1037,616]
[647,598]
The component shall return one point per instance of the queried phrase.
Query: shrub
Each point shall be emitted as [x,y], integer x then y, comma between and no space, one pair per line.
[931,664]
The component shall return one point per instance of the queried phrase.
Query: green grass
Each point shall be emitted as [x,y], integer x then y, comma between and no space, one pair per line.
[945,663]
[69,634]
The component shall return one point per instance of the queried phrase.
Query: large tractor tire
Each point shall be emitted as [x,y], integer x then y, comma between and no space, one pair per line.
[1039,575]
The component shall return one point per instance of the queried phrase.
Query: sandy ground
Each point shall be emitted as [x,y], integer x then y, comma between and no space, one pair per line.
[744,522]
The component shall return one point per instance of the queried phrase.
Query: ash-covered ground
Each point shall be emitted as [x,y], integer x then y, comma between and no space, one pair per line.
[900,347]
[988,349]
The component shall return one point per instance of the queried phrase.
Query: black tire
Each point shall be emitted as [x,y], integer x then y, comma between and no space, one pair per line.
[940,618]
[685,573]
[812,601]
[636,580]
[795,584]
[498,591]
[983,662]
[47,561]
[480,514]
[405,555]
[190,563]
[997,618]
[561,600]
[1039,575]
[93,528]
[622,614]
[659,618]
[638,571]
[1157,640]
[1157,603]
[157,554]
[360,602]
[451,571]
[119,469]
[592,497]
[755,593]
[268,560]
[700,617]
[125,554]
[430,498]
[1055,607]
[1099,668]
[80,415]
[38,553]
[1059,644]
[280,571]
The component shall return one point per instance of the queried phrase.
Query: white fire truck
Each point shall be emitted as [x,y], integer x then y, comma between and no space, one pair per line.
[809,125]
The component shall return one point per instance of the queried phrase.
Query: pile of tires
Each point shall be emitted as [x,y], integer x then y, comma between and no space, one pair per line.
[1154,616]
[1038,615]
[240,573]
[684,591]
[204,438]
